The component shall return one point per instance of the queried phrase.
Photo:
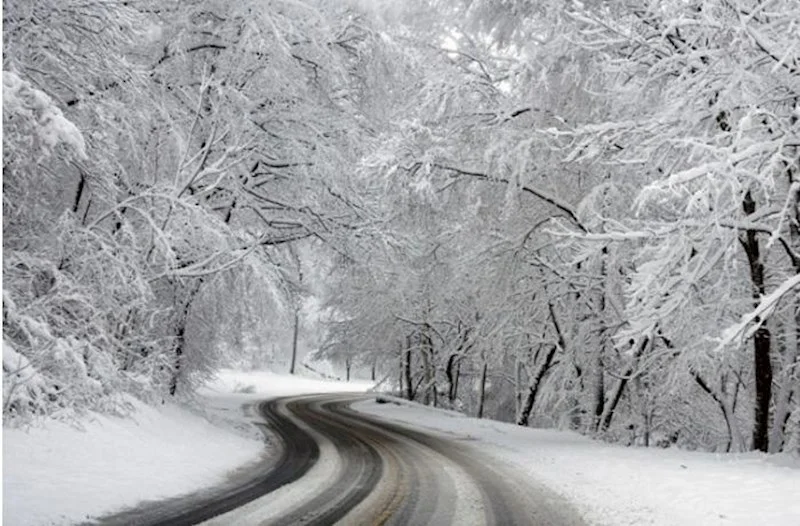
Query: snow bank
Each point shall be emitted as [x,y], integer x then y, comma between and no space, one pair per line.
[57,474]
[613,485]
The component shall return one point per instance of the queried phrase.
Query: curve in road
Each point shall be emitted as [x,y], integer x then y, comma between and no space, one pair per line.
[366,471]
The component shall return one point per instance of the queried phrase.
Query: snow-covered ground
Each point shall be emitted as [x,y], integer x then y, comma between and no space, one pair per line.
[614,485]
[58,474]
[265,383]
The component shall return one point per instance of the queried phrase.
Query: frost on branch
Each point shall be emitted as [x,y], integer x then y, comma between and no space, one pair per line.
[50,127]
[750,322]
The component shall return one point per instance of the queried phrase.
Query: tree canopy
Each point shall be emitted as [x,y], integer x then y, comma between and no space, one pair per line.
[573,214]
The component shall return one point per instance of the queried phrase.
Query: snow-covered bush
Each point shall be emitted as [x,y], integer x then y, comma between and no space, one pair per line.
[24,387]
[71,337]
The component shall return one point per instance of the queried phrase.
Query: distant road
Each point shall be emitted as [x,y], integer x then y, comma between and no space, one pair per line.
[337,466]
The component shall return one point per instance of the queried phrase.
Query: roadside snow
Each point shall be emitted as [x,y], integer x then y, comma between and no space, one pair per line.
[614,485]
[56,474]
[268,384]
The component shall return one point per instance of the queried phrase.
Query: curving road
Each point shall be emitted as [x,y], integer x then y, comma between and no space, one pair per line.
[337,466]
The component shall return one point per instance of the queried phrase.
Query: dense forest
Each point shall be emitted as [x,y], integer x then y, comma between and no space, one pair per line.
[571,214]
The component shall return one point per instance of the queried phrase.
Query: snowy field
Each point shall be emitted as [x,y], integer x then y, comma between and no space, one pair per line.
[613,485]
[57,474]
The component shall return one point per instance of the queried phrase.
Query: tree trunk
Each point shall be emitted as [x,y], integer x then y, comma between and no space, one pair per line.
[426,372]
[519,369]
[407,370]
[598,394]
[457,380]
[453,369]
[294,340]
[400,370]
[452,373]
[482,389]
[616,396]
[180,337]
[762,338]
[429,367]
[533,388]
[763,371]
[178,361]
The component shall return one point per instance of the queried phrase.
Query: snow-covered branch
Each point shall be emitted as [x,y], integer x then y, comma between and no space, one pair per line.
[756,318]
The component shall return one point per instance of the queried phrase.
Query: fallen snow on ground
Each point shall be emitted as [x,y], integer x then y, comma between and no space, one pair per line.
[614,485]
[56,474]
[269,384]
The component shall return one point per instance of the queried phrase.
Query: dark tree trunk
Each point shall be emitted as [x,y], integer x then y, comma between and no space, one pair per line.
[615,398]
[536,381]
[533,388]
[598,373]
[180,338]
[407,370]
[176,367]
[297,302]
[400,370]
[763,371]
[452,372]
[598,391]
[453,369]
[457,380]
[762,338]
[295,332]
[482,391]
[619,390]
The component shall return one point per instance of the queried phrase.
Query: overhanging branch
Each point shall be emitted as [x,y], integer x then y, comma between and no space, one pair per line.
[554,201]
